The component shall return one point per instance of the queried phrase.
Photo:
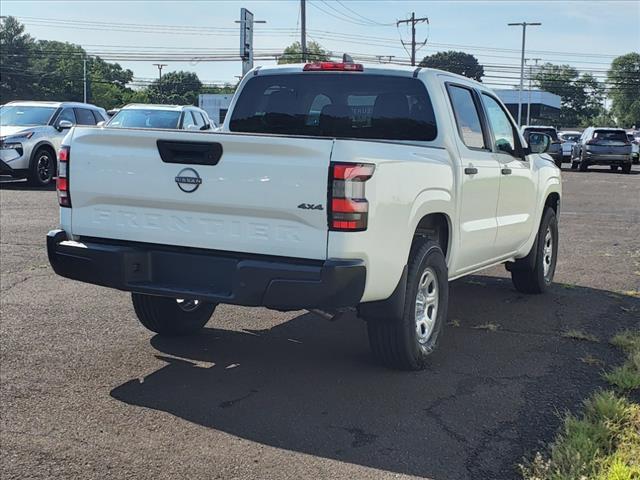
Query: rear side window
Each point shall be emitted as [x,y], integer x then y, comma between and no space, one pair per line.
[336,105]
[467,117]
[85,117]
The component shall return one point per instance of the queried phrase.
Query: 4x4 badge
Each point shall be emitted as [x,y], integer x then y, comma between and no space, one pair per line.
[310,206]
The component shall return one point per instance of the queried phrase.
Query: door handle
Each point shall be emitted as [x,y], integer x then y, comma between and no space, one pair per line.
[506,171]
[470,170]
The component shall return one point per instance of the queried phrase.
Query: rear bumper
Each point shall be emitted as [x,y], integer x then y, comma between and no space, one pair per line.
[607,159]
[220,277]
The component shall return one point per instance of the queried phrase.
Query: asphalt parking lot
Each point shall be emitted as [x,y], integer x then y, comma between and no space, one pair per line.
[86,392]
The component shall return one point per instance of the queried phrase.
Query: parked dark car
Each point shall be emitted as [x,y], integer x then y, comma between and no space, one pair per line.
[602,146]
[555,149]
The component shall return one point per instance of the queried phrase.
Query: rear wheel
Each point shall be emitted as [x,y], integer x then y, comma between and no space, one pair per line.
[534,273]
[574,165]
[42,168]
[626,168]
[171,316]
[406,342]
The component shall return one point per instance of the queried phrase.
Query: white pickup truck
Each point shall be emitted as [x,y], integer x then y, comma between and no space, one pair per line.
[332,186]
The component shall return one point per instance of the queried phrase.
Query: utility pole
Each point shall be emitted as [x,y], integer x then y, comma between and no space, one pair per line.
[84,76]
[530,77]
[246,39]
[160,66]
[524,26]
[303,29]
[413,20]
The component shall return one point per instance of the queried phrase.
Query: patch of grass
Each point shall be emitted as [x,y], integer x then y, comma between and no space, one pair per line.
[626,377]
[475,282]
[601,444]
[454,323]
[579,335]
[591,360]
[568,286]
[492,327]
[631,293]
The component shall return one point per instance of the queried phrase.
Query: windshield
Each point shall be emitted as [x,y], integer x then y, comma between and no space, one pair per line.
[610,137]
[549,131]
[23,116]
[145,118]
[336,105]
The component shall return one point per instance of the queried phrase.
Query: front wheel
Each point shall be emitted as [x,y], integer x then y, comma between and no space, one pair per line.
[406,342]
[171,316]
[42,168]
[534,273]
[626,168]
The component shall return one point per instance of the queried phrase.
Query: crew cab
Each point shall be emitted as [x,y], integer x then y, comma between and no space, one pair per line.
[331,187]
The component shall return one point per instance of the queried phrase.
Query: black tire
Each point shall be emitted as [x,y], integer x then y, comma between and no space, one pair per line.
[574,165]
[614,168]
[395,342]
[626,168]
[583,165]
[169,317]
[558,163]
[528,274]
[42,168]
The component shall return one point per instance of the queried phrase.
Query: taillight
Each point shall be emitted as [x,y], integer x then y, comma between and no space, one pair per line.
[348,207]
[62,183]
[333,66]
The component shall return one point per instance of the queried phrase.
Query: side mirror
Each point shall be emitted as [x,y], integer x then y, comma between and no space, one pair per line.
[539,142]
[101,124]
[64,125]
[206,126]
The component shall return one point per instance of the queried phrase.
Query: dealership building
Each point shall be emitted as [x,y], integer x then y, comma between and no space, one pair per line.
[545,106]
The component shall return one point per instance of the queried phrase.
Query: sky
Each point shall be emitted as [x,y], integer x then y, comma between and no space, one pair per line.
[586,34]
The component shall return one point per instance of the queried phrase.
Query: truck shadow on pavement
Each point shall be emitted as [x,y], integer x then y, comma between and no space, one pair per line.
[489,397]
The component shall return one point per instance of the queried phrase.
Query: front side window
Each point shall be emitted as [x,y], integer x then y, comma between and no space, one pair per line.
[336,105]
[67,114]
[503,130]
[20,116]
[145,118]
[467,117]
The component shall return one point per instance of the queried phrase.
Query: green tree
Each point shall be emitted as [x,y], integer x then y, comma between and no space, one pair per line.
[455,62]
[177,88]
[15,50]
[624,81]
[293,53]
[582,96]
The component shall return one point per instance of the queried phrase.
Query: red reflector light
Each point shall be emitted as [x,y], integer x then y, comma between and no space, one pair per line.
[348,208]
[61,184]
[333,66]
[63,154]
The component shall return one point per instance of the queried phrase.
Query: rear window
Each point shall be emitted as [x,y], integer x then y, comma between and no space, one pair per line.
[336,105]
[549,131]
[609,136]
[143,118]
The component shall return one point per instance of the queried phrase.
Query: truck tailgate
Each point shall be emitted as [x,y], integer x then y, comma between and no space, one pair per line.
[246,201]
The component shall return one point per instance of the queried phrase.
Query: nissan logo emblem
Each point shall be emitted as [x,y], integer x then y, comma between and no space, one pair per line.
[188,180]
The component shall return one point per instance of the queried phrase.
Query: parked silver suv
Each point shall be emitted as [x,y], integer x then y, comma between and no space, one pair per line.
[31,133]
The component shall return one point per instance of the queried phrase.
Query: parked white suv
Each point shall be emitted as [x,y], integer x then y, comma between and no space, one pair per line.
[31,133]
[332,186]
[181,117]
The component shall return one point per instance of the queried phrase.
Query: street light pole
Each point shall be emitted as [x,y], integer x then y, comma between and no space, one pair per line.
[524,26]
[160,66]
[84,75]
